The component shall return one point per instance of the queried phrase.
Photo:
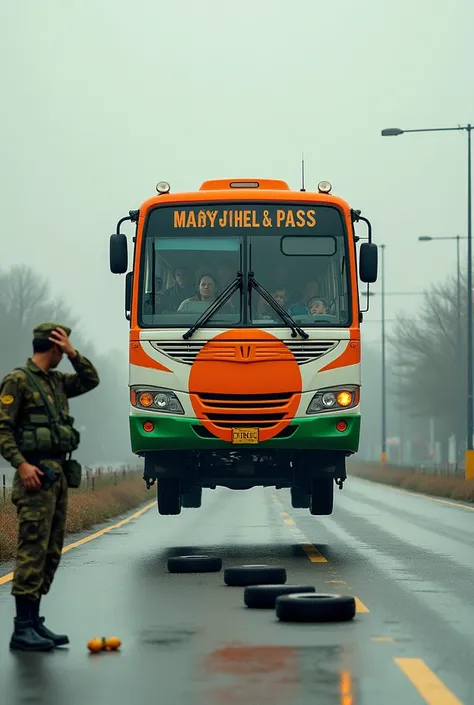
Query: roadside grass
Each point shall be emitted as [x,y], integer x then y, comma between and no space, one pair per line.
[100,498]
[456,488]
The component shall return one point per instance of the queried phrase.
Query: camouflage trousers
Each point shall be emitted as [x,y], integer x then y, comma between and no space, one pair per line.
[41,527]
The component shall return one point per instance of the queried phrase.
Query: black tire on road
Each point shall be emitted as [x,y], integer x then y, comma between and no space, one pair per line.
[299,498]
[241,576]
[168,496]
[322,496]
[194,564]
[264,596]
[192,499]
[315,607]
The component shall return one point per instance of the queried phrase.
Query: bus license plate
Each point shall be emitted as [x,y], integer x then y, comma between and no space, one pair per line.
[245,435]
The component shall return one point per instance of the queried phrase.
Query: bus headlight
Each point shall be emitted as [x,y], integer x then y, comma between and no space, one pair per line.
[334,399]
[156,399]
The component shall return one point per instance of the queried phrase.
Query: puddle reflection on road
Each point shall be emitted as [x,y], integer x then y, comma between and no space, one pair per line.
[279,674]
[32,675]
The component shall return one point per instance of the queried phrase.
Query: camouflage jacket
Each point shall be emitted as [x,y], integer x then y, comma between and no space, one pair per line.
[18,399]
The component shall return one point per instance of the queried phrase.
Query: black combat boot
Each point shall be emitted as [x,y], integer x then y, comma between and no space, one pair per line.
[43,631]
[25,637]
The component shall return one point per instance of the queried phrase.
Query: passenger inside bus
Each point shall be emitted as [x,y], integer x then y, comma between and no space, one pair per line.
[308,293]
[317,306]
[207,293]
[264,310]
[180,290]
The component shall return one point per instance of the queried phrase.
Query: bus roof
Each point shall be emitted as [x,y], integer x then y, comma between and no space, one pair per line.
[244,190]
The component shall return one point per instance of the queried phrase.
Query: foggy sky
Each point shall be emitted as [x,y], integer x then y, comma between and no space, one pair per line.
[103,98]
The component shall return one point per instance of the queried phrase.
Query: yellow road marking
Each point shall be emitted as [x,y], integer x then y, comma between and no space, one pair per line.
[6,578]
[316,557]
[345,688]
[360,607]
[284,514]
[383,638]
[313,554]
[430,687]
[432,499]
[9,576]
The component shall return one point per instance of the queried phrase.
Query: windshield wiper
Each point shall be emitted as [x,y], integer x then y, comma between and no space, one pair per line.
[216,305]
[290,322]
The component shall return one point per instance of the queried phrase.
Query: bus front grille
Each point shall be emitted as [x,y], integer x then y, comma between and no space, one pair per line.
[245,410]
[186,352]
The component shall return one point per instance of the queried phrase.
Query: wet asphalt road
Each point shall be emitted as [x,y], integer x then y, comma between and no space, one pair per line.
[189,639]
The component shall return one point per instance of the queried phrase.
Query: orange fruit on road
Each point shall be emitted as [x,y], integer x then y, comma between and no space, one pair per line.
[112,643]
[95,645]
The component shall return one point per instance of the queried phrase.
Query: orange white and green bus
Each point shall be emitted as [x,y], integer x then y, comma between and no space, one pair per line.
[244,358]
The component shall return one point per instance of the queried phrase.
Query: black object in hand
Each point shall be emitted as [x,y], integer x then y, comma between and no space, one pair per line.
[48,478]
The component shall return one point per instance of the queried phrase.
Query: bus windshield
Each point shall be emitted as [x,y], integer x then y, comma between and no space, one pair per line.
[192,253]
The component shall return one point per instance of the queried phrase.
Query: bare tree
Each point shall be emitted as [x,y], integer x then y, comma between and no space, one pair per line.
[425,358]
[25,301]
[22,293]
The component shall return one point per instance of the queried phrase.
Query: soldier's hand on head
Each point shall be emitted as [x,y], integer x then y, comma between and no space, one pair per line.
[59,336]
[30,476]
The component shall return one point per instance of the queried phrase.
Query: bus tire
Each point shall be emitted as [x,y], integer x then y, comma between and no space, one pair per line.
[315,607]
[264,596]
[299,498]
[321,502]
[194,564]
[241,576]
[168,496]
[192,499]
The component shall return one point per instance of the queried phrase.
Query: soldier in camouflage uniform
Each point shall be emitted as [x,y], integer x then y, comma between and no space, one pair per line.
[30,437]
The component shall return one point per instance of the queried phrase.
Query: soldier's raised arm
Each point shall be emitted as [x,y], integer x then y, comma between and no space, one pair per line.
[11,395]
[86,376]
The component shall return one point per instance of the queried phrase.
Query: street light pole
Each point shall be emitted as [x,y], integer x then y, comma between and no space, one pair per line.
[470,431]
[460,394]
[394,132]
[383,453]
[383,449]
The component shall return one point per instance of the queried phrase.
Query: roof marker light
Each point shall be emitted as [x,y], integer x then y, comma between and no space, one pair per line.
[163,187]
[244,184]
[324,187]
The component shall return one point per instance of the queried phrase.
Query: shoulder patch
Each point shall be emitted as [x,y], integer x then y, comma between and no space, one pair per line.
[16,376]
[7,399]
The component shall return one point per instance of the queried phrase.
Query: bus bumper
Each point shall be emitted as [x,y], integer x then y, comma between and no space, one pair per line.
[309,433]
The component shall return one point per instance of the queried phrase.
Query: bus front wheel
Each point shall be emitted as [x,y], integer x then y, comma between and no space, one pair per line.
[168,496]
[321,498]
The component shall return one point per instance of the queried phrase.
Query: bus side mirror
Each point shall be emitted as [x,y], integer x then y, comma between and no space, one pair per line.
[128,294]
[368,263]
[118,253]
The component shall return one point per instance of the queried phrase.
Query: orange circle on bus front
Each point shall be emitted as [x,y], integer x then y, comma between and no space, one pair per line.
[245,386]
